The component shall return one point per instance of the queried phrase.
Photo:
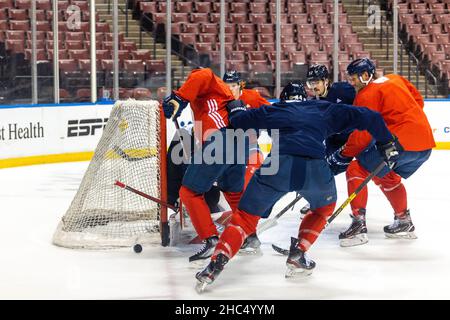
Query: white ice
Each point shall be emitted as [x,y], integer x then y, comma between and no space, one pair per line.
[33,200]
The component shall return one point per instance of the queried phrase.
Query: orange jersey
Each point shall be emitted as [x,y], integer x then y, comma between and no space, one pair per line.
[208,96]
[401,106]
[252,98]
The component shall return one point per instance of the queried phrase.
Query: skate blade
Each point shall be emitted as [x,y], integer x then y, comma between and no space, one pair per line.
[293,272]
[250,252]
[199,264]
[357,240]
[200,286]
[401,235]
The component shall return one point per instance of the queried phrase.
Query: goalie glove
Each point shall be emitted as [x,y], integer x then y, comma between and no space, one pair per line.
[173,105]
[390,151]
[337,162]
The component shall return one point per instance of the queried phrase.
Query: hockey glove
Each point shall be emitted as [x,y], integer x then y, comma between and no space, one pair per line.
[337,162]
[235,106]
[173,105]
[390,151]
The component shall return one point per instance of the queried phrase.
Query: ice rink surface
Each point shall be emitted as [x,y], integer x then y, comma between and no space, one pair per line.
[33,200]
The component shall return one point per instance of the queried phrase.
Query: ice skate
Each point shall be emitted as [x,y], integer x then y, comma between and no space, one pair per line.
[297,263]
[251,245]
[402,228]
[356,234]
[210,273]
[206,251]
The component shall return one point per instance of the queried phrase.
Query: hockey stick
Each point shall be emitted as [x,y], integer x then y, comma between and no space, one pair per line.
[343,205]
[269,223]
[147,196]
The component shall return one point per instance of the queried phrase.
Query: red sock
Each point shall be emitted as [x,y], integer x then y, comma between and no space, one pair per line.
[199,212]
[254,162]
[233,199]
[355,176]
[312,225]
[241,225]
[394,190]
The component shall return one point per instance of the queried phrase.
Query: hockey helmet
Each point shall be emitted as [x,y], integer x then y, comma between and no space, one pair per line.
[232,76]
[293,91]
[317,72]
[359,66]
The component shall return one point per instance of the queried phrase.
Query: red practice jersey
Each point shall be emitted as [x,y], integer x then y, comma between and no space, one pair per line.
[252,98]
[208,96]
[401,106]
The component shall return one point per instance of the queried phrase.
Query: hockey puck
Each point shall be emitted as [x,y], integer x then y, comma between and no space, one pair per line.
[137,248]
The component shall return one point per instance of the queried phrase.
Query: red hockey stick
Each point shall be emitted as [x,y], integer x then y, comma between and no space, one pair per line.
[147,196]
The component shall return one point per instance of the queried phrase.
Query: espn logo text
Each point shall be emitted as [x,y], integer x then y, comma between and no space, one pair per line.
[85,127]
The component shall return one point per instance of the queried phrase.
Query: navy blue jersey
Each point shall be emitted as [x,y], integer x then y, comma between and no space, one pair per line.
[304,125]
[340,92]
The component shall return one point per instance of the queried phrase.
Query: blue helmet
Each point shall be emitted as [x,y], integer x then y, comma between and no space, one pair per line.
[293,91]
[317,72]
[232,76]
[358,66]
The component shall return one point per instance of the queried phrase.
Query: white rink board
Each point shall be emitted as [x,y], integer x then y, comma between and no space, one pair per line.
[45,130]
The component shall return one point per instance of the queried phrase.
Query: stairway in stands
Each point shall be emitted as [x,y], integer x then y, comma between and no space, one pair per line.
[147,40]
[358,18]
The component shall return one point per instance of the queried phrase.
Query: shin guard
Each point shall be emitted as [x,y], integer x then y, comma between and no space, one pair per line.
[240,227]
[312,225]
[199,212]
[355,176]
[394,190]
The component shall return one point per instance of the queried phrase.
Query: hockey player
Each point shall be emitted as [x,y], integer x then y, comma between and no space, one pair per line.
[317,79]
[252,99]
[175,173]
[208,96]
[401,106]
[303,125]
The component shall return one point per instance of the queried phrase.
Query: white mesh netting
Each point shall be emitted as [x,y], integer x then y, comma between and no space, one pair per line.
[102,215]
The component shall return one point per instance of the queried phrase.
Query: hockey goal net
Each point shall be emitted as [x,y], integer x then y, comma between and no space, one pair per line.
[132,150]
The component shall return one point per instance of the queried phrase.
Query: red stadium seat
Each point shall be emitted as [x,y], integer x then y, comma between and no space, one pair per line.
[203,7]
[44,4]
[181,6]
[257,7]
[246,28]
[142,94]
[142,54]
[256,55]
[209,28]
[237,55]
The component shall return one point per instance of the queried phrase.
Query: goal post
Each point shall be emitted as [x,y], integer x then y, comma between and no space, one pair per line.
[133,150]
